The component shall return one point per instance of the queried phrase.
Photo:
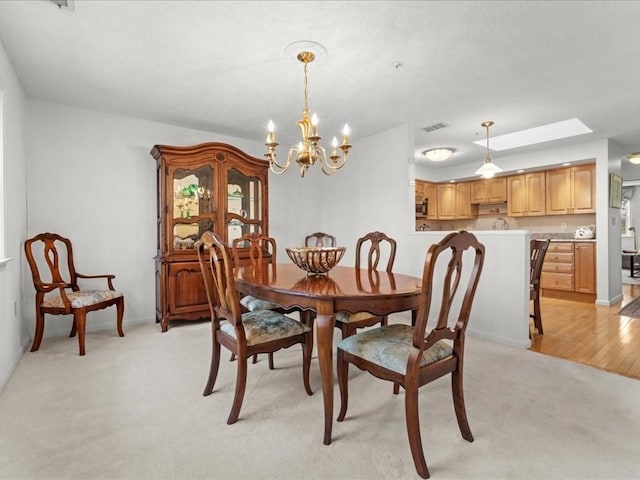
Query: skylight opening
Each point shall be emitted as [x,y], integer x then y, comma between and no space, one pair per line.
[532,136]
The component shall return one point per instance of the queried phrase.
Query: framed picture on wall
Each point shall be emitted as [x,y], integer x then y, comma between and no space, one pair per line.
[615,191]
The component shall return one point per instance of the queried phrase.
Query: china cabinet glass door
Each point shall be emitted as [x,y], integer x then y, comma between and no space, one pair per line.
[244,205]
[193,207]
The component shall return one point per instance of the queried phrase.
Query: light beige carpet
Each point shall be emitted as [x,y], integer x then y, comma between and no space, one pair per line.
[132,408]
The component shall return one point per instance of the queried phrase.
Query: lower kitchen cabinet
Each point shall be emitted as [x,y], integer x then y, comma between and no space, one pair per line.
[569,267]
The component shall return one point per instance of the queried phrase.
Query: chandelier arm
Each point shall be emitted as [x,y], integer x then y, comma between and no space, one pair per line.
[274,166]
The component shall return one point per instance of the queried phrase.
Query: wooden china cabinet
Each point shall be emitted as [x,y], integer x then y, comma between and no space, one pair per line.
[207,187]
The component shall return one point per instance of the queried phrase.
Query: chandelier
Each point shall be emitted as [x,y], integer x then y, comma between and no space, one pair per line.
[488,169]
[308,151]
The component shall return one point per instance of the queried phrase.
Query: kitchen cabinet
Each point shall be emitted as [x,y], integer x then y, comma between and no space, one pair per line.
[426,194]
[430,193]
[571,190]
[585,267]
[493,190]
[454,201]
[207,187]
[558,267]
[526,194]
[570,267]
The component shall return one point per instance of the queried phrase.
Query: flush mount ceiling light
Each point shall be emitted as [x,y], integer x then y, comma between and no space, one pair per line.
[488,169]
[439,154]
[634,157]
[544,133]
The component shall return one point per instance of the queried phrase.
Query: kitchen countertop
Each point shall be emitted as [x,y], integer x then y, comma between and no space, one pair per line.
[561,237]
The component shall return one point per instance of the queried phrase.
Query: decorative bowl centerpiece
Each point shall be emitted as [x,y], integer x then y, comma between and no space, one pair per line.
[316,260]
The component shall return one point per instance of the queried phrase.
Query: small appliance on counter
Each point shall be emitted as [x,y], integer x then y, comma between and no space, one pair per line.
[585,232]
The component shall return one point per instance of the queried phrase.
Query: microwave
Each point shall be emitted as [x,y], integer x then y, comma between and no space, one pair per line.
[422,208]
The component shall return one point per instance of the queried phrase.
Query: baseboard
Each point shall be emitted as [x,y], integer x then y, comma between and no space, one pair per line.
[13,366]
[523,344]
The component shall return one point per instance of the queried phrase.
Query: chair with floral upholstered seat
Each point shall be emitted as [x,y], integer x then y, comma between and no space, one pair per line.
[244,334]
[347,322]
[50,258]
[412,356]
[262,252]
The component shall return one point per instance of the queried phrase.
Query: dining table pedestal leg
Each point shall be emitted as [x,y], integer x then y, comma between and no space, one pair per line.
[325,322]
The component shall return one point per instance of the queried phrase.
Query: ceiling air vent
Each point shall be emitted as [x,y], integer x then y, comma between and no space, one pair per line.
[68,4]
[435,126]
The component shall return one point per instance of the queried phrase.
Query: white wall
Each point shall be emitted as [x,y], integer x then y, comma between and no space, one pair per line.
[12,333]
[92,179]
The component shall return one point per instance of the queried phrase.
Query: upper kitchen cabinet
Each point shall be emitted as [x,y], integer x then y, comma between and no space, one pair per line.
[493,190]
[454,201]
[526,195]
[426,200]
[571,190]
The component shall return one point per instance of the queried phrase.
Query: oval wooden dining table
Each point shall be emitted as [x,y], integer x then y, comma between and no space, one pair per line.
[343,288]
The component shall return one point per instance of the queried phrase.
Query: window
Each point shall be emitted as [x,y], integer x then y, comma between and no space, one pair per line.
[2,253]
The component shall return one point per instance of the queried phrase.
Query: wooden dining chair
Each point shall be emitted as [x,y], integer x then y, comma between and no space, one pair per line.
[538,250]
[262,254]
[319,239]
[58,292]
[370,244]
[414,356]
[244,334]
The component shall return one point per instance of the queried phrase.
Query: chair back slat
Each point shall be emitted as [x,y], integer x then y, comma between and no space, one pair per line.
[47,255]
[262,251]
[374,254]
[216,263]
[462,247]
[320,239]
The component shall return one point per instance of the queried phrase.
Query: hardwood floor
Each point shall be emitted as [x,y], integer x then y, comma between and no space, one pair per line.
[591,334]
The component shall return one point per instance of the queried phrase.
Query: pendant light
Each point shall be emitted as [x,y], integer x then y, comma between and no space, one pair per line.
[488,169]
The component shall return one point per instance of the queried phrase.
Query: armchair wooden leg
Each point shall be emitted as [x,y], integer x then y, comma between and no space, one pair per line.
[241,383]
[120,315]
[80,320]
[37,337]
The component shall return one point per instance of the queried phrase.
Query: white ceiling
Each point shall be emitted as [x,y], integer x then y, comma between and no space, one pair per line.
[220,66]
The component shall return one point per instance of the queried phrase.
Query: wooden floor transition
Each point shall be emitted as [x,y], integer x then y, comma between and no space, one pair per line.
[591,334]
